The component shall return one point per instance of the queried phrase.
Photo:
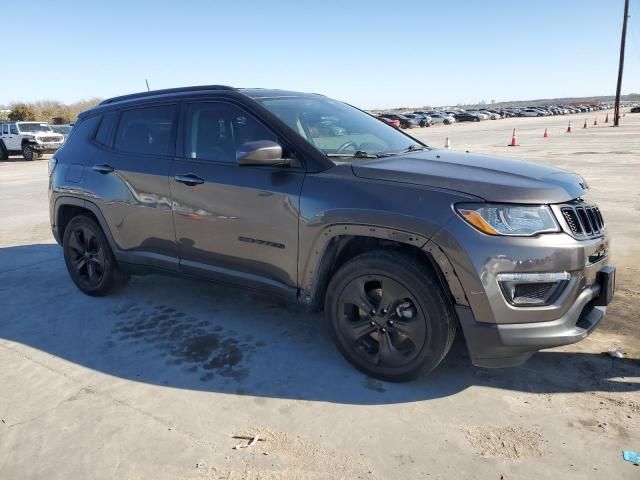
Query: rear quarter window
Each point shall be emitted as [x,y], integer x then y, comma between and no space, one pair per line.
[103,135]
[74,149]
[146,130]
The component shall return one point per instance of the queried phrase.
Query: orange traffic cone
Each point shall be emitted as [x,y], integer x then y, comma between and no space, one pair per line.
[545,134]
[569,127]
[595,122]
[447,145]
[585,123]
[514,142]
[606,118]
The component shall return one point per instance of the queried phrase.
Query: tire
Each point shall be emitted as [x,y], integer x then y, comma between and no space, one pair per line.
[28,153]
[4,153]
[447,122]
[89,258]
[415,305]
[477,119]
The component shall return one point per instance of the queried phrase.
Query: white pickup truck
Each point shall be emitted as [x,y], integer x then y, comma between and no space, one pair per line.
[31,139]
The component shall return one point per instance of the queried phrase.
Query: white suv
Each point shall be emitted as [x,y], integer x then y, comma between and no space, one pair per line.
[31,139]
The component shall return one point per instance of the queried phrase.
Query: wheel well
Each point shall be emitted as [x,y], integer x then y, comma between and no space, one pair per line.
[343,248]
[66,213]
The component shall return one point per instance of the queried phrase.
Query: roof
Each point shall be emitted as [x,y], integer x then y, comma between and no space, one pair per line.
[250,92]
[167,91]
[273,93]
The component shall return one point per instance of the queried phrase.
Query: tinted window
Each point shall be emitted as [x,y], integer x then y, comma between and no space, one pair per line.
[104,131]
[214,131]
[74,149]
[13,130]
[145,130]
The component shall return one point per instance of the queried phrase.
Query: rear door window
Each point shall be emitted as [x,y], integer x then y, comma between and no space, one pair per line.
[146,130]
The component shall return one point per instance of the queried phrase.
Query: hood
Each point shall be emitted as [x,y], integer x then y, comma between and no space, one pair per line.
[39,132]
[493,179]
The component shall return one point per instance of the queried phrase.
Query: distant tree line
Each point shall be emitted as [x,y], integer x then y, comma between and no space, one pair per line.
[50,111]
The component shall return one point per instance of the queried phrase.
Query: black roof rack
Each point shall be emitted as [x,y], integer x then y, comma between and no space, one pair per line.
[164,92]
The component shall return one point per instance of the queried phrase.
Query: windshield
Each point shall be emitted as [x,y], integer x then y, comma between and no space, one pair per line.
[34,127]
[339,130]
[63,129]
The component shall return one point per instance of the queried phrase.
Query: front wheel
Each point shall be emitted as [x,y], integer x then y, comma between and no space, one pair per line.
[28,153]
[89,259]
[388,316]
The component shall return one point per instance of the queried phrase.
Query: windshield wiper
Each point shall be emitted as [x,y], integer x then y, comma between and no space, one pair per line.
[356,154]
[410,148]
[413,148]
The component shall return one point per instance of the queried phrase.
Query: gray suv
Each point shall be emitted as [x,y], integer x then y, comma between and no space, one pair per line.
[311,199]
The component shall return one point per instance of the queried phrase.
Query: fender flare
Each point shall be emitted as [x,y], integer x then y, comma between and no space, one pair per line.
[324,252]
[87,205]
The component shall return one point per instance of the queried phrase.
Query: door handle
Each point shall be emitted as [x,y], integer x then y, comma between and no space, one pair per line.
[104,168]
[188,179]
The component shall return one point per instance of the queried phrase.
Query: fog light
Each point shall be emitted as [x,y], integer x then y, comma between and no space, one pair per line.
[532,289]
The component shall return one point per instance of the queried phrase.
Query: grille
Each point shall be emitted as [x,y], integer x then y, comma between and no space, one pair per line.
[532,292]
[584,221]
[49,139]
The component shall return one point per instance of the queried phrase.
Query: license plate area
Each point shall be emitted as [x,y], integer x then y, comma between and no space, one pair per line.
[607,280]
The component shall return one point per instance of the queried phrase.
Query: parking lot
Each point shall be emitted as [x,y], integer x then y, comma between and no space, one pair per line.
[157,380]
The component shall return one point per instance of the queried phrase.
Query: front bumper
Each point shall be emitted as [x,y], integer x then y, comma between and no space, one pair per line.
[45,147]
[509,345]
[499,333]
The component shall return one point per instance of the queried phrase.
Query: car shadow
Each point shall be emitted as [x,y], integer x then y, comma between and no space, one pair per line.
[202,336]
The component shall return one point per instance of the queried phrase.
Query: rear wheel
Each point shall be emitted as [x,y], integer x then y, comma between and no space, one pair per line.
[89,259]
[388,316]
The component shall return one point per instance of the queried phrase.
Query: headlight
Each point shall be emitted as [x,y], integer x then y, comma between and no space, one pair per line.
[512,220]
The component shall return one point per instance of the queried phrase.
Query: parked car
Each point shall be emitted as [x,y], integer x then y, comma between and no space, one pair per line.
[31,139]
[395,123]
[532,112]
[63,130]
[398,243]
[635,110]
[466,117]
[420,119]
[492,115]
[478,113]
[405,122]
[441,117]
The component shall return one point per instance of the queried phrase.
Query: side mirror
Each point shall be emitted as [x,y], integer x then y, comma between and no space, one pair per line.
[260,152]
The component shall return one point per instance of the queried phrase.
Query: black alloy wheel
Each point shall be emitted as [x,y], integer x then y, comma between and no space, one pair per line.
[388,315]
[89,259]
[87,256]
[379,315]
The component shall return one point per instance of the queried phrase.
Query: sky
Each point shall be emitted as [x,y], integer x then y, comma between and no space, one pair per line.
[370,53]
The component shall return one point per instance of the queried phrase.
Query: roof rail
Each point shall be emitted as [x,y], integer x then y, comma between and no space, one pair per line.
[164,92]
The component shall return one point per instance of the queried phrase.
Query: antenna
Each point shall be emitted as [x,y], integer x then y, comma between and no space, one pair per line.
[147,82]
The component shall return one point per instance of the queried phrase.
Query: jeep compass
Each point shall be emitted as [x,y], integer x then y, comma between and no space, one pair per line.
[302,196]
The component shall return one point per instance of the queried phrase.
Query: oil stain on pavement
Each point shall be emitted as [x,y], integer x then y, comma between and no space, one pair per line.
[196,345]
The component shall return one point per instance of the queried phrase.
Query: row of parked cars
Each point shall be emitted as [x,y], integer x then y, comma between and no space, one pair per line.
[422,118]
